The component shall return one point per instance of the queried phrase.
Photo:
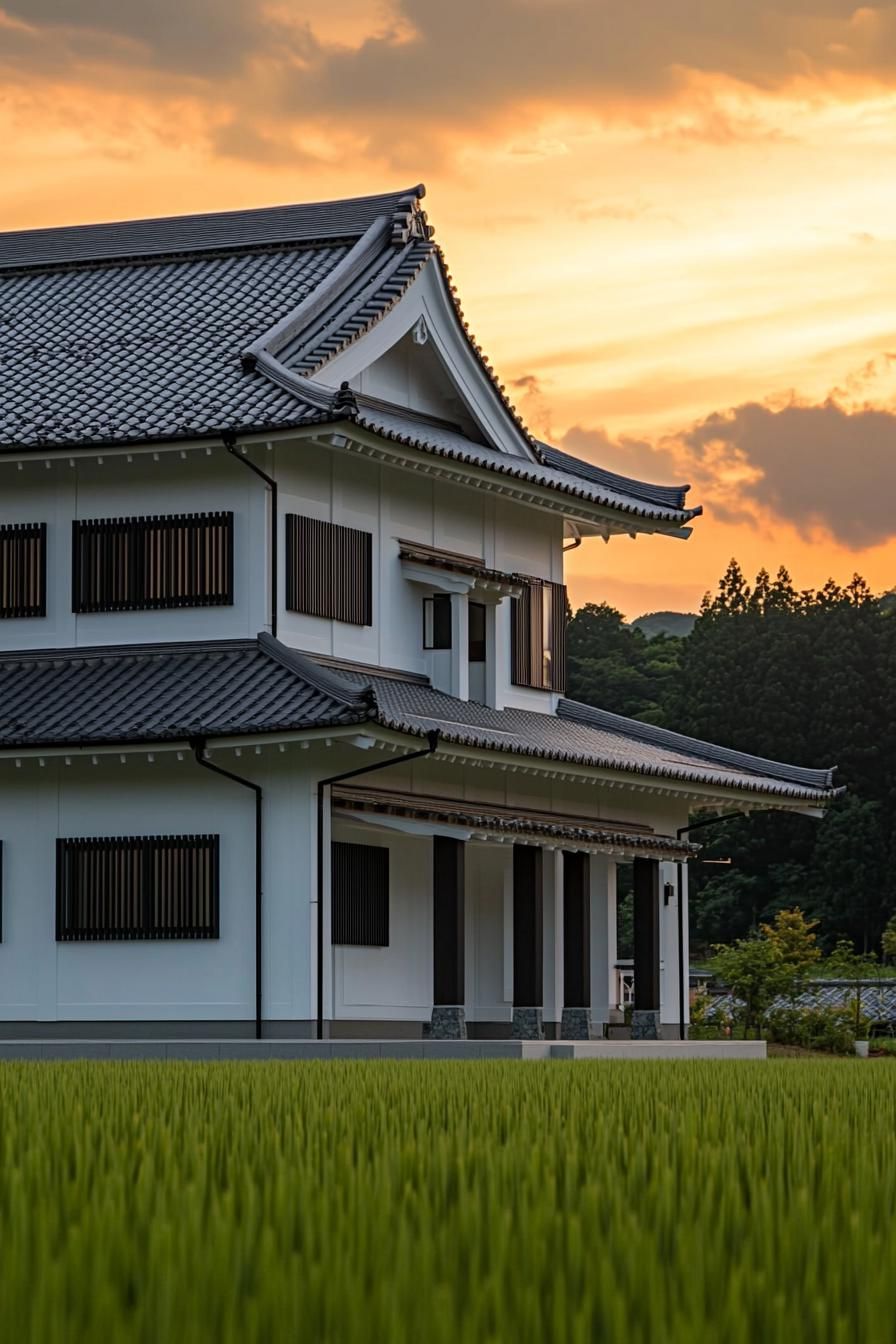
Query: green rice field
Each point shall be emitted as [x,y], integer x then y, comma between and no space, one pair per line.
[431,1203]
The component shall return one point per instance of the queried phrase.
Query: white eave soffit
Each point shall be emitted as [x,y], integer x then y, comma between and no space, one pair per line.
[426,309]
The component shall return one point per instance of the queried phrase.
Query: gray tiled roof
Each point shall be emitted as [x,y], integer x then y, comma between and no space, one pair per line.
[188,327]
[667,496]
[878,1000]
[168,692]
[229,230]
[624,745]
[403,427]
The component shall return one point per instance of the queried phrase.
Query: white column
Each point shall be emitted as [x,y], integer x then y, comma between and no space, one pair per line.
[460,641]
[497,650]
[552,891]
[603,936]
[669,984]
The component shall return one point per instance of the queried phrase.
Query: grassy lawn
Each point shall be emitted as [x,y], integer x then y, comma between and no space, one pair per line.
[427,1203]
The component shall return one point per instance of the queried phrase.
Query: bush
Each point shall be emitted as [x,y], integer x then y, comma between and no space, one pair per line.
[883,1045]
[704,1027]
[832,1029]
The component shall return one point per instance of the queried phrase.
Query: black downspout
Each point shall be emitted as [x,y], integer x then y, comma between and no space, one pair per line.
[684,830]
[229,441]
[433,740]
[198,745]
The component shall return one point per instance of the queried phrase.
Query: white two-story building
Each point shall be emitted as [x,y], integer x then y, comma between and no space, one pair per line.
[284,746]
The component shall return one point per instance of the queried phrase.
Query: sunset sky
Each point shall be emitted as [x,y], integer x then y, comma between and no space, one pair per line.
[672,222]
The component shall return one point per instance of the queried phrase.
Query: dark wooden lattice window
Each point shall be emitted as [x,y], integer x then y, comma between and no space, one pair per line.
[23,569]
[329,570]
[538,637]
[144,564]
[359,882]
[137,887]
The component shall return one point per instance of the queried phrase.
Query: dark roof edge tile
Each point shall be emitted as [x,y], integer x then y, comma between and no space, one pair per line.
[85,651]
[804,776]
[323,679]
[228,230]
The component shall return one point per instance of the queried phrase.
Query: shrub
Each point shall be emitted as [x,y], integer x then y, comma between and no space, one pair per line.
[832,1029]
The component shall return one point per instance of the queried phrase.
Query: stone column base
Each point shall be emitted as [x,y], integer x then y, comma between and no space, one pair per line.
[448,1023]
[645,1024]
[527,1025]
[575,1024]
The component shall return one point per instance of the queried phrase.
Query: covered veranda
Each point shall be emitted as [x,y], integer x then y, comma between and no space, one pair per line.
[502,922]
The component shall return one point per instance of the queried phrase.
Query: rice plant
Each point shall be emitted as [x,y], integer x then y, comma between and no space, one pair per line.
[426,1203]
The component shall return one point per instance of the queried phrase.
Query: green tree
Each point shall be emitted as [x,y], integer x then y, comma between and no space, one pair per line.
[756,973]
[794,937]
[845,963]
[888,940]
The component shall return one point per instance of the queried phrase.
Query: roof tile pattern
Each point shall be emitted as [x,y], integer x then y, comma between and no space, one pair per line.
[624,746]
[146,350]
[173,692]
[158,693]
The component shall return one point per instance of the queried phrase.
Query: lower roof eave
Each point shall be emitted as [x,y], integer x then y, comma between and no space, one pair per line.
[351,734]
[702,793]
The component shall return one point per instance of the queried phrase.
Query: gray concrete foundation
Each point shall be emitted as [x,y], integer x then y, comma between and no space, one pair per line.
[575,1024]
[646,1024]
[527,1024]
[448,1023]
[259,1051]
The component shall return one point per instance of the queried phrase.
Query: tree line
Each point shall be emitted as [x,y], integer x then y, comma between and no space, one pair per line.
[804,676]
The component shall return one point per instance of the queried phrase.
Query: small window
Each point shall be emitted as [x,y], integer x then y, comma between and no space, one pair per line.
[359,883]
[23,570]
[148,564]
[329,570]
[437,622]
[137,887]
[476,632]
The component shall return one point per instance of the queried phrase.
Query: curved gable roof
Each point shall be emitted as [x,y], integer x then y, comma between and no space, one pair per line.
[190,327]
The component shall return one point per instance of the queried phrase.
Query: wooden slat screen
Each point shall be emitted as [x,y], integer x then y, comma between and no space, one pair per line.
[23,570]
[538,637]
[137,887]
[329,570]
[359,882]
[142,564]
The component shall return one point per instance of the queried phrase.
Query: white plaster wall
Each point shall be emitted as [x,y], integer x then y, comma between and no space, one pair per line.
[392,505]
[391,983]
[489,965]
[59,493]
[42,980]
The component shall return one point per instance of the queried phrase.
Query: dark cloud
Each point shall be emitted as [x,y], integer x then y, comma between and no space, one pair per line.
[467,57]
[630,456]
[816,465]
[198,37]
[453,62]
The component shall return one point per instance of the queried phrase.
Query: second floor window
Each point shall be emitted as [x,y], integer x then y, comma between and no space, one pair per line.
[141,564]
[329,570]
[23,570]
[538,637]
